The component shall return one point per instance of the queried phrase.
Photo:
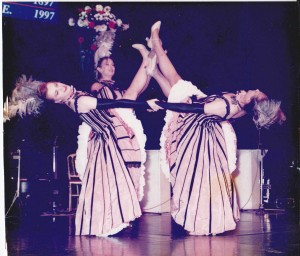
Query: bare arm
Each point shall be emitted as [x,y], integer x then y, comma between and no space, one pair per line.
[236,111]
[86,104]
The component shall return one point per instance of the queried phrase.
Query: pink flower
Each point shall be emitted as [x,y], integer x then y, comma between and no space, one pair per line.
[111,24]
[81,40]
[125,26]
[93,47]
[88,9]
[91,25]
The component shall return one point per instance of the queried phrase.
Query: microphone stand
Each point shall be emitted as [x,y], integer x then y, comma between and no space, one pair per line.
[17,194]
[262,175]
[263,187]
[55,190]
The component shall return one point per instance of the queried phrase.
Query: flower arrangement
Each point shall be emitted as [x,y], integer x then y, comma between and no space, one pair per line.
[103,25]
[98,18]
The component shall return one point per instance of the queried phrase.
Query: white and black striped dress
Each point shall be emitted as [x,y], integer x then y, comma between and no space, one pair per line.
[109,194]
[203,195]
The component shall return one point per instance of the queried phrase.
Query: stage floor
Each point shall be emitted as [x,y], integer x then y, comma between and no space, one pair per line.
[271,233]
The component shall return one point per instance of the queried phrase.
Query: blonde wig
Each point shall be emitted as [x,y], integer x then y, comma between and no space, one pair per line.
[267,112]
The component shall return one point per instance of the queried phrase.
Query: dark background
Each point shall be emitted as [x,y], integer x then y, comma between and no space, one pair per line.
[217,46]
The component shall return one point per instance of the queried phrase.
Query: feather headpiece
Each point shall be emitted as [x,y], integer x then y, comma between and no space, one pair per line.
[24,99]
[266,113]
[104,41]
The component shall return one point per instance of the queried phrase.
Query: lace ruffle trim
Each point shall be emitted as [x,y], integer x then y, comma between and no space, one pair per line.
[130,119]
[81,152]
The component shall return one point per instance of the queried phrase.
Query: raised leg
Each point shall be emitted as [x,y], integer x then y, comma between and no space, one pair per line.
[142,49]
[163,82]
[155,26]
[165,64]
[150,59]
[141,79]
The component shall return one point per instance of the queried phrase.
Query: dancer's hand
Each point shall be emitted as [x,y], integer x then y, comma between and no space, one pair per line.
[154,107]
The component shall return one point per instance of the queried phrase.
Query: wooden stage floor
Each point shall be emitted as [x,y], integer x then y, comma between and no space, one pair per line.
[270,233]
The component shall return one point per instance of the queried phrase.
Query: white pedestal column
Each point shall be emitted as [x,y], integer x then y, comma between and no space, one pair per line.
[247,178]
[157,188]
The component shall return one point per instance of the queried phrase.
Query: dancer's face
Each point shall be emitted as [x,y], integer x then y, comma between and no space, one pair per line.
[58,92]
[107,69]
[245,97]
[259,96]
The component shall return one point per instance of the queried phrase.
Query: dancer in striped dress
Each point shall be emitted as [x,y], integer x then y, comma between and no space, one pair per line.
[109,199]
[116,155]
[131,141]
[113,180]
[198,149]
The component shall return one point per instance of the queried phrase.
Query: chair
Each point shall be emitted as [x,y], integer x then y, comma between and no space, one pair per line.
[74,182]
